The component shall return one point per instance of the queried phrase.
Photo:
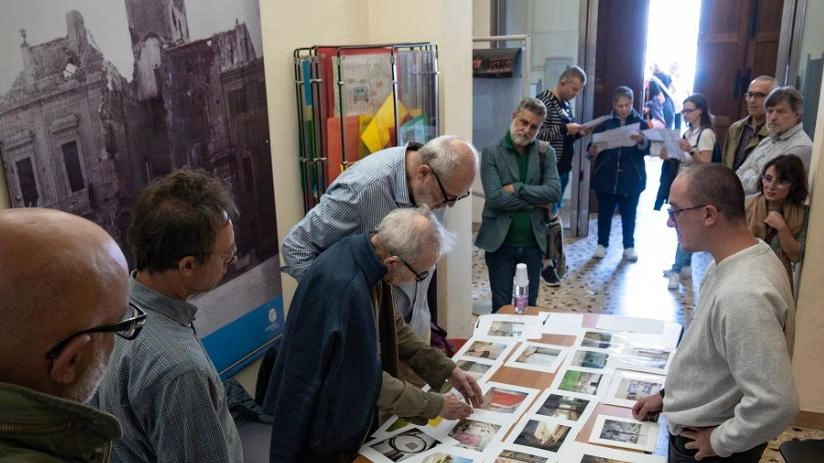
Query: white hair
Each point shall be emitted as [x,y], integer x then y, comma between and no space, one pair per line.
[443,155]
[413,233]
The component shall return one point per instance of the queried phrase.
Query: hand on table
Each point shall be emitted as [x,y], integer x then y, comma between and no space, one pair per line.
[648,408]
[467,386]
[454,408]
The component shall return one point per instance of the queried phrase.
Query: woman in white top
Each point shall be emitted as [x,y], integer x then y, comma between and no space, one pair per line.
[697,143]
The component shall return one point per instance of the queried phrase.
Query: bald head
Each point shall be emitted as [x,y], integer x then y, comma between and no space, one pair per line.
[442,171]
[61,274]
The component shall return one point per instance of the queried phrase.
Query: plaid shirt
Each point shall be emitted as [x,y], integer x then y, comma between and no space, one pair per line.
[165,391]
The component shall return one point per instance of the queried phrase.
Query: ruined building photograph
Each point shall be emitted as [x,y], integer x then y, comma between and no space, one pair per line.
[101,98]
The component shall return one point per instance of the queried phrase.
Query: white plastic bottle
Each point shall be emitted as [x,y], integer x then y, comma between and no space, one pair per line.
[520,289]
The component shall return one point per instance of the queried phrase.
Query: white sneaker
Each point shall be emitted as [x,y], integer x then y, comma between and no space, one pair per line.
[600,252]
[674,281]
[630,255]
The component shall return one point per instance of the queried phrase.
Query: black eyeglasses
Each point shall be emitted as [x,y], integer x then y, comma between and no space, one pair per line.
[447,199]
[755,95]
[418,276]
[126,329]
[673,213]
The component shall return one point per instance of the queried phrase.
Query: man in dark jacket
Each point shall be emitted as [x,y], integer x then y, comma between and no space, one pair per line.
[619,175]
[338,360]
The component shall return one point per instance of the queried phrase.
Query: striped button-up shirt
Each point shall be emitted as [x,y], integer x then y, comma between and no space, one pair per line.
[355,203]
[165,391]
[794,141]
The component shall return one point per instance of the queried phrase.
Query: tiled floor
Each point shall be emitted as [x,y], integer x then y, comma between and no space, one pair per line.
[612,285]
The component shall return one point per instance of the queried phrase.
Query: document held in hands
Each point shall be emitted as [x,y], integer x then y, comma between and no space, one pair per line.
[596,122]
[670,140]
[616,138]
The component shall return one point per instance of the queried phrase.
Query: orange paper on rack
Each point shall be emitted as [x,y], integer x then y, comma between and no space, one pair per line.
[377,133]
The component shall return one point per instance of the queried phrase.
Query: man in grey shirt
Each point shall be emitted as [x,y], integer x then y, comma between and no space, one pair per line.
[163,387]
[730,384]
[784,107]
[437,175]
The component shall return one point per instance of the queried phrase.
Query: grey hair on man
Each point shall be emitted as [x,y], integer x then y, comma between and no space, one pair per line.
[445,154]
[533,105]
[789,94]
[414,234]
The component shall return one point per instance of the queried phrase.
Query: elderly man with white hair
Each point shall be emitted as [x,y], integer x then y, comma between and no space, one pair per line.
[337,365]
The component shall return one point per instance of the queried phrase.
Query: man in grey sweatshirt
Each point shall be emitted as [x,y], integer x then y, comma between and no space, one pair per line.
[730,386]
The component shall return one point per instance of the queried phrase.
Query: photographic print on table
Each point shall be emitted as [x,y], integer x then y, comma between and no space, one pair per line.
[478,369]
[487,349]
[645,358]
[504,455]
[473,434]
[562,405]
[454,455]
[576,452]
[589,359]
[537,356]
[505,327]
[507,399]
[624,432]
[583,382]
[597,339]
[627,387]
[547,436]
[406,444]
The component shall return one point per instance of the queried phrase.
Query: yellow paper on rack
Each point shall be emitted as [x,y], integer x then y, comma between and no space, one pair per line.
[376,135]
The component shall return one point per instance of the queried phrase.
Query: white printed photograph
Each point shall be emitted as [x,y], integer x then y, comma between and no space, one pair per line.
[503,327]
[589,359]
[649,359]
[564,405]
[404,445]
[582,381]
[476,435]
[627,387]
[486,349]
[601,339]
[506,454]
[576,452]
[624,432]
[507,399]
[538,357]
[479,369]
[541,436]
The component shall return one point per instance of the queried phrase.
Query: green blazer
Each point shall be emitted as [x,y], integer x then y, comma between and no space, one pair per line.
[498,168]
[733,137]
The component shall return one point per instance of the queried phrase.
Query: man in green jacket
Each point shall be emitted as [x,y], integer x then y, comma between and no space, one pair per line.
[744,135]
[63,297]
[520,182]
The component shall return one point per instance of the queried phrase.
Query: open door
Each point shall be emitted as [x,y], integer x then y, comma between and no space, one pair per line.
[737,41]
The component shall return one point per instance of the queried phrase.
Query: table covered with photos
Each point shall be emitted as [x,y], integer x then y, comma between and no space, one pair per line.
[558,387]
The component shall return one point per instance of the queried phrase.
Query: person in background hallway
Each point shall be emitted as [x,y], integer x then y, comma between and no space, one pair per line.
[619,175]
[437,175]
[560,129]
[777,214]
[730,386]
[663,81]
[338,359]
[163,387]
[698,143]
[677,92]
[63,297]
[784,107]
[744,135]
[520,182]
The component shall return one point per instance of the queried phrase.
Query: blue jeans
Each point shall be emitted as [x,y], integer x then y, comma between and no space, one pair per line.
[564,182]
[680,454]
[627,205]
[682,259]
[501,265]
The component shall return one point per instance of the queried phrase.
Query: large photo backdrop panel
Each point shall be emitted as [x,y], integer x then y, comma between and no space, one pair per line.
[98,98]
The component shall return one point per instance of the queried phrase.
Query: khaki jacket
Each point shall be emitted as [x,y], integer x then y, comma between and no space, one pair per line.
[398,342]
[733,136]
[40,428]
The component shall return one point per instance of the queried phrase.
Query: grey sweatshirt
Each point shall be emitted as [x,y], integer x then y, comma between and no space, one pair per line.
[733,369]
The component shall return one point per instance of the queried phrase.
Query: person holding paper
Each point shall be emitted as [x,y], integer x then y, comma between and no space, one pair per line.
[730,385]
[619,175]
[697,145]
[561,129]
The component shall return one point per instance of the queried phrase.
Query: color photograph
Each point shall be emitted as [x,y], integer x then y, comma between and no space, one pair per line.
[624,432]
[503,400]
[476,369]
[581,381]
[627,387]
[407,444]
[563,406]
[602,340]
[490,350]
[474,435]
[543,435]
[590,359]
[511,456]
[536,356]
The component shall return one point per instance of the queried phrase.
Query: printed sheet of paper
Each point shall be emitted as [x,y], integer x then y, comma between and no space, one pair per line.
[627,387]
[510,327]
[414,442]
[541,435]
[596,122]
[670,140]
[538,357]
[616,138]
[564,405]
[486,348]
[585,453]
[563,323]
[630,324]
[625,432]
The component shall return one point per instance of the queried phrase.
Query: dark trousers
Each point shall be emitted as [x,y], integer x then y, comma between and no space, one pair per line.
[501,265]
[680,454]
[627,205]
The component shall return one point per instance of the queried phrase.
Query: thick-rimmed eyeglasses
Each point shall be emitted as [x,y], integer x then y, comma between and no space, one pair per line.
[126,329]
[448,199]
[418,276]
[673,213]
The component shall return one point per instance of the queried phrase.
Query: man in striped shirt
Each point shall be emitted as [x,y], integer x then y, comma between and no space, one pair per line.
[437,175]
[784,106]
[561,130]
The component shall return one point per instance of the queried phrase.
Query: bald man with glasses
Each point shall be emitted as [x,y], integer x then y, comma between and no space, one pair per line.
[63,298]
[744,135]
